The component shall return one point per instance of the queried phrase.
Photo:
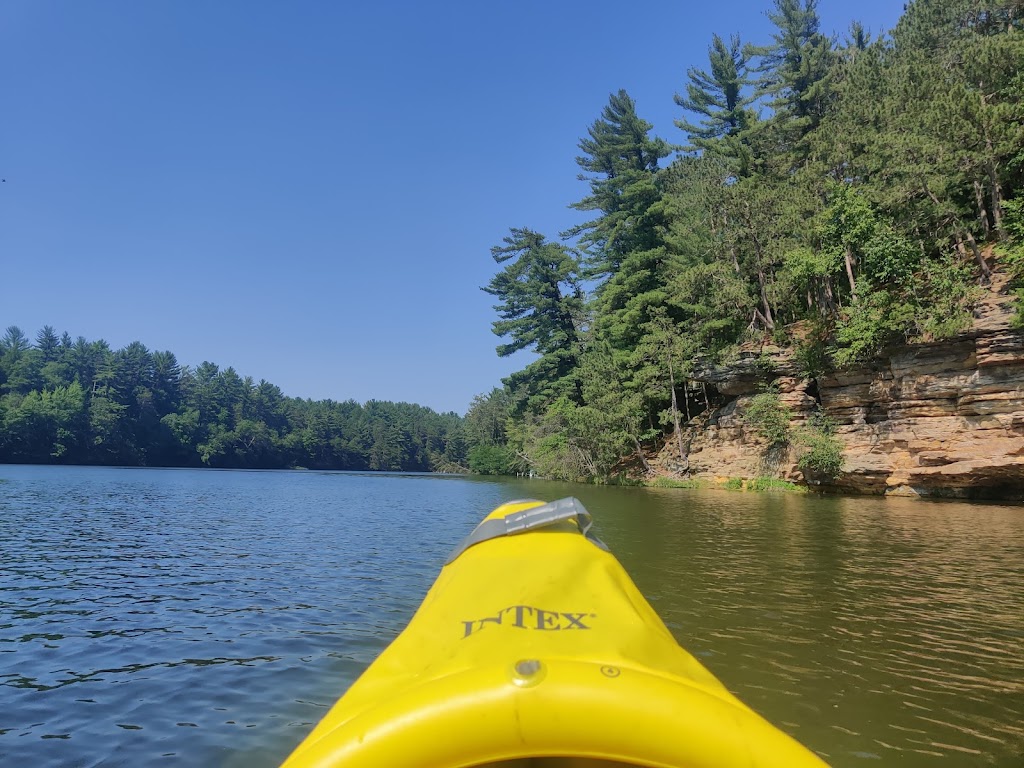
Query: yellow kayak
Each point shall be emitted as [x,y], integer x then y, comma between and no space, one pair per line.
[534,648]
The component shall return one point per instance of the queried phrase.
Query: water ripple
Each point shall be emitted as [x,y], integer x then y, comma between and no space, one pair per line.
[208,617]
[211,618]
[868,627]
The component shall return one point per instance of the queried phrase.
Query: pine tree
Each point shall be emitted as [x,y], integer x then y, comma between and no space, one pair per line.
[797,72]
[707,292]
[717,94]
[620,161]
[541,309]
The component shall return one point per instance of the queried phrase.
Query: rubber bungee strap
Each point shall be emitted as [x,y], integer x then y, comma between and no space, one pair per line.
[531,519]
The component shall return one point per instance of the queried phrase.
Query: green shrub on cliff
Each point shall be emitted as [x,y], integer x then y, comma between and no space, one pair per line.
[879,318]
[821,456]
[935,304]
[768,417]
[946,300]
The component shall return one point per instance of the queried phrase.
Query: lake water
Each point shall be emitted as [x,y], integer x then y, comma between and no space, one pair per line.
[209,618]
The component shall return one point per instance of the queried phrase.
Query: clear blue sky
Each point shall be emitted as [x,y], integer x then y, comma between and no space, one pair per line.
[308,191]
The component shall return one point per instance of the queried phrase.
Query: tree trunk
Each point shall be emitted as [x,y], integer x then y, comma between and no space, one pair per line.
[768,319]
[979,200]
[997,201]
[986,273]
[829,298]
[675,407]
[640,453]
[757,316]
[732,248]
[849,259]
[993,175]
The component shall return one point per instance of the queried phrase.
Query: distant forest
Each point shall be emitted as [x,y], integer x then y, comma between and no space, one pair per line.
[832,195]
[73,401]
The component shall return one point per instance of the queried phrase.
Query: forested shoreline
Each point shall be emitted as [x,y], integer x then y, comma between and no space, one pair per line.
[74,401]
[832,196]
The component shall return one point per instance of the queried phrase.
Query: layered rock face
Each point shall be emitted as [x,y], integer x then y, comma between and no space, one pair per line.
[942,419]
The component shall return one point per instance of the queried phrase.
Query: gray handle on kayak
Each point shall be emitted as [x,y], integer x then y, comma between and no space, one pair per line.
[569,508]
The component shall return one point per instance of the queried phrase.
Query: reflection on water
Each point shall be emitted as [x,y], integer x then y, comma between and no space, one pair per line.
[211,617]
[869,628]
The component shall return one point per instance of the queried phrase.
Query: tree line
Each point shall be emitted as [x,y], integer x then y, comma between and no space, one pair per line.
[833,195]
[74,401]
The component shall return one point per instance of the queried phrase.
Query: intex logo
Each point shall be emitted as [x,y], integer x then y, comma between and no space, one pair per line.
[529,617]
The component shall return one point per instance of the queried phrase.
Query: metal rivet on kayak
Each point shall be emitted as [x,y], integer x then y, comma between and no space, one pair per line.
[528,672]
[527,667]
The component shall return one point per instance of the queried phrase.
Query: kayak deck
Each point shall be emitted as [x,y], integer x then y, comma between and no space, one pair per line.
[557,762]
[534,648]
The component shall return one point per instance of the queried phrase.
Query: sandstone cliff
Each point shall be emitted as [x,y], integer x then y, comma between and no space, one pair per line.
[941,419]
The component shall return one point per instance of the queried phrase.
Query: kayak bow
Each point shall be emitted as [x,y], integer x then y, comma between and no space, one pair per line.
[534,648]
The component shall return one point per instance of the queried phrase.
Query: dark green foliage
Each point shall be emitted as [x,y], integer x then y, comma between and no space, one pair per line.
[719,96]
[68,402]
[487,417]
[766,414]
[539,293]
[620,161]
[541,307]
[821,457]
[491,460]
[797,71]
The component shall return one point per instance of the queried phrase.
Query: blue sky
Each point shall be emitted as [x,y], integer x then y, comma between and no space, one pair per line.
[309,191]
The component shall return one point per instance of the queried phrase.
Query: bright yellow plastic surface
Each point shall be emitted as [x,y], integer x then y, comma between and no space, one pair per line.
[538,650]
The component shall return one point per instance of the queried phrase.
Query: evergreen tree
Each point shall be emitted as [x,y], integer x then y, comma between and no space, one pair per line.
[14,373]
[486,418]
[48,343]
[540,309]
[708,292]
[796,75]
[620,161]
[717,95]
[625,245]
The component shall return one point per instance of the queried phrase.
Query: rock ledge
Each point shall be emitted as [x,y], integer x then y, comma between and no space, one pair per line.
[938,419]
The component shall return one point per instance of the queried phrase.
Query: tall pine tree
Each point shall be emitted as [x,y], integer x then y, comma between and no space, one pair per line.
[796,75]
[620,161]
[717,95]
[541,307]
